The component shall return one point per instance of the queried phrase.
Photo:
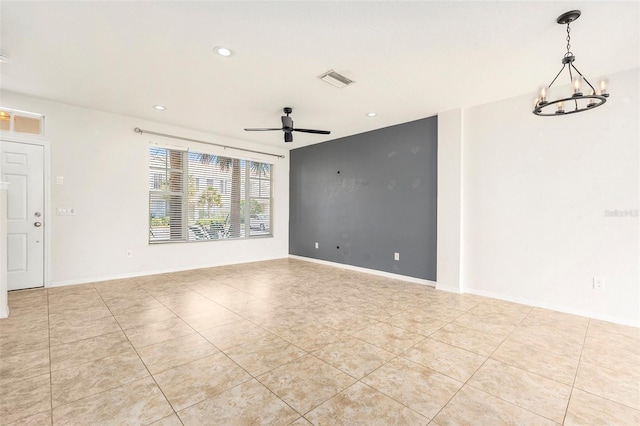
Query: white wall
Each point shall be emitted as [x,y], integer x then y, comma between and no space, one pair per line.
[104,165]
[449,255]
[535,192]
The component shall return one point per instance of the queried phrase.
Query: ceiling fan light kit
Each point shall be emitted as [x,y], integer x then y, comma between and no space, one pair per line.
[578,100]
[287,127]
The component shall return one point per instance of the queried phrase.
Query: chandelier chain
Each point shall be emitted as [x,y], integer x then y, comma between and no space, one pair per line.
[568,41]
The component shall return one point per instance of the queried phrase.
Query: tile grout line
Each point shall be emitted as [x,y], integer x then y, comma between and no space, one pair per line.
[470,376]
[399,355]
[98,359]
[332,396]
[291,361]
[255,377]
[575,376]
[142,361]
[50,367]
[415,344]
[466,383]
[424,366]
[46,294]
[220,351]
[242,368]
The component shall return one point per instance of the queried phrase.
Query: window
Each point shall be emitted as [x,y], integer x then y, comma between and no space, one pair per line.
[167,170]
[196,196]
[21,122]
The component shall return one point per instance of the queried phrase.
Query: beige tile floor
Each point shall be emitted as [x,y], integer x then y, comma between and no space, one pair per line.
[293,342]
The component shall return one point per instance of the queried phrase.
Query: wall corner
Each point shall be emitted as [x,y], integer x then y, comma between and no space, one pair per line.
[450,138]
[4,303]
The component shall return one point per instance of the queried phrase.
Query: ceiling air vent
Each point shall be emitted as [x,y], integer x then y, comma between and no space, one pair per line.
[335,79]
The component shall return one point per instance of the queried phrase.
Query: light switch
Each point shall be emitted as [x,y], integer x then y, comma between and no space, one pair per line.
[60,180]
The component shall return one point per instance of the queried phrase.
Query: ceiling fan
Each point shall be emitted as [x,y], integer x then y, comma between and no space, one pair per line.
[287,127]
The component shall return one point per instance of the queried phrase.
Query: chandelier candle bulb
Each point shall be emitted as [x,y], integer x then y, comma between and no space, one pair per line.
[543,95]
[560,110]
[603,88]
[577,86]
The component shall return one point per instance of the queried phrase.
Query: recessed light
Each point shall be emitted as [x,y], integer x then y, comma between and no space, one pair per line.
[160,107]
[371,114]
[222,51]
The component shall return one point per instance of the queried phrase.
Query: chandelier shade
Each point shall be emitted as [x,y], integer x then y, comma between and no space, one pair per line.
[578,101]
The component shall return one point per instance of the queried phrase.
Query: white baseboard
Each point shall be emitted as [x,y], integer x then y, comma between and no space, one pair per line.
[449,288]
[367,270]
[554,307]
[4,312]
[147,273]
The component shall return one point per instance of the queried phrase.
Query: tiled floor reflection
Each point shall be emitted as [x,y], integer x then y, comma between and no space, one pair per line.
[293,342]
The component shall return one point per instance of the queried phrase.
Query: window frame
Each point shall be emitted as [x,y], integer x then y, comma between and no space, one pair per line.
[188,172]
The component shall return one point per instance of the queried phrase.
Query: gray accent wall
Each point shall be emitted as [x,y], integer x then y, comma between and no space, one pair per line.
[365,197]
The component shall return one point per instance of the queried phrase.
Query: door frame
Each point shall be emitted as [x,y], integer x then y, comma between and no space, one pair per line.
[39,141]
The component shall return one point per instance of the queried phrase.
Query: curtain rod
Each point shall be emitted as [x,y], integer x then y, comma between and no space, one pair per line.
[164,135]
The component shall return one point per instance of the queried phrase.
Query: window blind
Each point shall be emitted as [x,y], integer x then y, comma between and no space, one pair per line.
[196,196]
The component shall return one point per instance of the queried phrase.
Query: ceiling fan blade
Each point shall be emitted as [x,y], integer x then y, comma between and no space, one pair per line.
[287,122]
[320,132]
[288,136]
[264,129]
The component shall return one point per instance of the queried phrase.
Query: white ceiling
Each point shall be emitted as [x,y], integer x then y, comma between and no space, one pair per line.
[409,59]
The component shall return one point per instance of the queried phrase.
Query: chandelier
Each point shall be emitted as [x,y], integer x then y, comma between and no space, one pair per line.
[578,101]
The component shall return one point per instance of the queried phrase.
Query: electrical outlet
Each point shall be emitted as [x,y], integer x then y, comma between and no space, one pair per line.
[598,283]
[396,256]
[316,244]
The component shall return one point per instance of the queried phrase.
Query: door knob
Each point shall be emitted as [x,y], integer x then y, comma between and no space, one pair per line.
[37,224]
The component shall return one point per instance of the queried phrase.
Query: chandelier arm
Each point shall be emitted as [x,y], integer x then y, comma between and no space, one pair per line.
[575,101]
[570,74]
[584,78]
[556,77]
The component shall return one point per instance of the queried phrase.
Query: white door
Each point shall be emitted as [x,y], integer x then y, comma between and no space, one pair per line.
[22,165]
